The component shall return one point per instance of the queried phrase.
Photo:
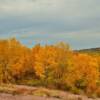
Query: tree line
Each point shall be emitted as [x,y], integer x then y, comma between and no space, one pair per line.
[53,66]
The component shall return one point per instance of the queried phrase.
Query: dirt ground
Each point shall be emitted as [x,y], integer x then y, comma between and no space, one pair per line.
[21,92]
[23,97]
[4,96]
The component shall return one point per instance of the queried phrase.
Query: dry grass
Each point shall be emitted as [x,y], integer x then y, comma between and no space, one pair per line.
[39,92]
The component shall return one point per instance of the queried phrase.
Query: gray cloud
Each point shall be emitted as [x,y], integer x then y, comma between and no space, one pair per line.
[65,20]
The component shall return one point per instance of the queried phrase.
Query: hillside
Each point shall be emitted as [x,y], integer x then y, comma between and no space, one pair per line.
[90,51]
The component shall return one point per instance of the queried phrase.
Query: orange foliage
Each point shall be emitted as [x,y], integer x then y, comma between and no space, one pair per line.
[56,63]
[86,67]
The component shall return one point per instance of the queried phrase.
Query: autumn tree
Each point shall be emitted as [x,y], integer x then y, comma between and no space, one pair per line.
[85,72]
[52,65]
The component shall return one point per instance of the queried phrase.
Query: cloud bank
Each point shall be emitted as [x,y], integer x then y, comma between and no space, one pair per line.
[73,21]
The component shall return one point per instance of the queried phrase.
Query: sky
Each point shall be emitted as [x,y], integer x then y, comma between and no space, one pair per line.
[76,22]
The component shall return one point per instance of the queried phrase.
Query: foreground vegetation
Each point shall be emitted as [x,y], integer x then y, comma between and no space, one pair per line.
[53,66]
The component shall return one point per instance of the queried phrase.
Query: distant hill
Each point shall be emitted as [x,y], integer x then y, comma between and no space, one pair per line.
[90,51]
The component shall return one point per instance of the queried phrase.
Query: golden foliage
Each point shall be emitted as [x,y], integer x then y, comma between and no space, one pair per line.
[56,64]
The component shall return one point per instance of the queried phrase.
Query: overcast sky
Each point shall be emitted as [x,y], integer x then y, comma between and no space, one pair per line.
[76,22]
